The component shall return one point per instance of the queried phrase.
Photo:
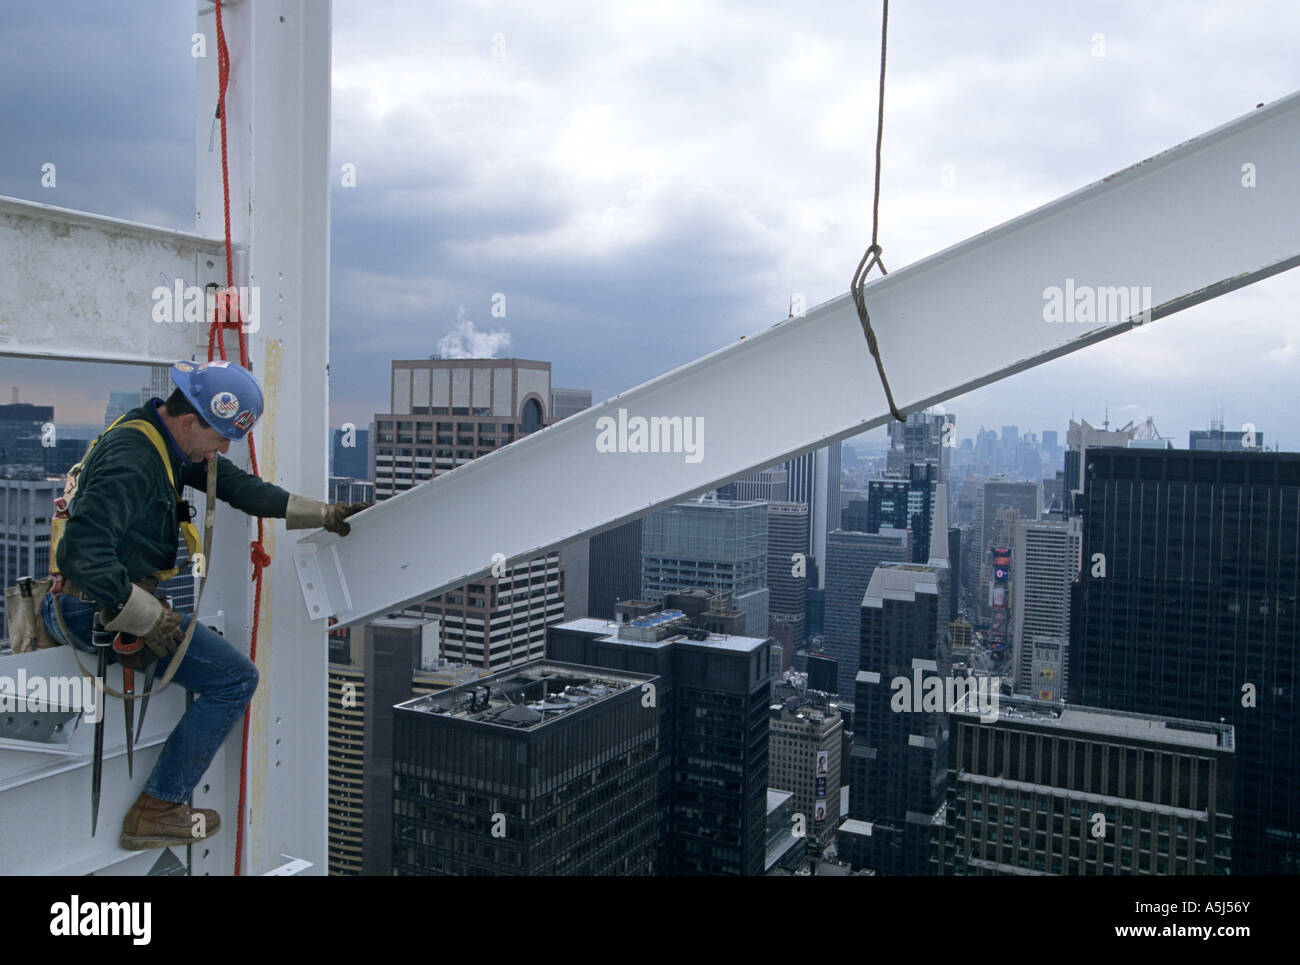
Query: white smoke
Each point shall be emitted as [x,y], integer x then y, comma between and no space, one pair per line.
[464,341]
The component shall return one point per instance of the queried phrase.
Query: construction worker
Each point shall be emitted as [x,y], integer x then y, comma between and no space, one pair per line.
[120,535]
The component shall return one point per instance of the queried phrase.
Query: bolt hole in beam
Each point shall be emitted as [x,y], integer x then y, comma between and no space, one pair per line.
[965,317]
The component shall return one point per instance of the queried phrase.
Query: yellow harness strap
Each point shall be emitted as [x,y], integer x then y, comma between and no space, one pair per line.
[188,529]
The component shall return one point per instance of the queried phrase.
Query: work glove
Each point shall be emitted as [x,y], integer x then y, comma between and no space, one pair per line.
[157,626]
[305,513]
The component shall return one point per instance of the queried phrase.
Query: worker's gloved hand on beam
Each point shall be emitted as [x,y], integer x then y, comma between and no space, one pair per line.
[305,513]
[158,626]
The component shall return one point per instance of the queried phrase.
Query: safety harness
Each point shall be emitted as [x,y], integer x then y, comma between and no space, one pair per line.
[63,505]
[192,541]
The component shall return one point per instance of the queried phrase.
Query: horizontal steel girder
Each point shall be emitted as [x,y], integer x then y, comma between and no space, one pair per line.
[1202,219]
[81,287]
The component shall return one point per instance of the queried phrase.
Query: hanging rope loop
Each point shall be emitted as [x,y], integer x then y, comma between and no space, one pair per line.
[871,258]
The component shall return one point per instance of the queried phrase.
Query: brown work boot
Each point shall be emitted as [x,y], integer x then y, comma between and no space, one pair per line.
[152,823]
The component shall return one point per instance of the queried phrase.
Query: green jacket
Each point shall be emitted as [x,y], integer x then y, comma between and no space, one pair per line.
[123,524]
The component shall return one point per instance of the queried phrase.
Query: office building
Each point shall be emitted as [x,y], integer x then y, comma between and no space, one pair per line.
[1045,561]
[1186,606]
[851,559]
[26,504]
[905,502]
[814,478]
[567,402]
[350,453]
[1215,439]
[898,768]
[548,769]
[772,485]
[996,494]
[387,661]
[446,413]
[921,440]
[713,694]
[614,569]
[804,755]
[1053,789]
[716,544]
[787,577]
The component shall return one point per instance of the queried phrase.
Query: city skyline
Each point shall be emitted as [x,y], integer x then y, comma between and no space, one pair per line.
[602,211]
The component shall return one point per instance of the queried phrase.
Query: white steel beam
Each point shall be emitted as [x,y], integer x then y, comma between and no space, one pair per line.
[1204,218]
[79,286]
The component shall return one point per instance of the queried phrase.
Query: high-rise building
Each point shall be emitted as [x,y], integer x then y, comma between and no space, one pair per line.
[996,494]
[390,661]
[1045,561]
[26,505]
[1217,440]
[804,751]
[614,569]
[851,559]
[446,413]
[350,454]
[898,768]
[787,577]
[119,403]
[23,441]
[1079,439]
[1054,789]
[772,485]
[713,693]
[926,437]
[547,769]
[716,544]
[1187,606]
[567,402]
[815,478]
[899,502]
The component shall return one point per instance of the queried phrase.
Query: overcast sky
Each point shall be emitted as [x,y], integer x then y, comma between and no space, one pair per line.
[647,182]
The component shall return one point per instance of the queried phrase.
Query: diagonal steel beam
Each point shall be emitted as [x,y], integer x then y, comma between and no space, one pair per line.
[1202,219]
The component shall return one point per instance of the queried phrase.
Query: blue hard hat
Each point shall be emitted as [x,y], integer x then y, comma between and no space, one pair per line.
[225,395]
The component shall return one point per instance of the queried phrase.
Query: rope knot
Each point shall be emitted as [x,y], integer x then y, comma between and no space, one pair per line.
[259,557]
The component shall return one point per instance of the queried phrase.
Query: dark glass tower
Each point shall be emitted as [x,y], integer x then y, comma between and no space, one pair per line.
[1194,616]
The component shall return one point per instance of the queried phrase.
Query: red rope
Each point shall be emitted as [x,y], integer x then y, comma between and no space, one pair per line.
[228,316]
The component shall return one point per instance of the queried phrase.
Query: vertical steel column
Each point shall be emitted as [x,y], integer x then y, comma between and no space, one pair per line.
[278,103]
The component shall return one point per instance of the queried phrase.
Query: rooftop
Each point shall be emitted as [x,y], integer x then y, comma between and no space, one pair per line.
[527,696]
[1097,720]
[609,631]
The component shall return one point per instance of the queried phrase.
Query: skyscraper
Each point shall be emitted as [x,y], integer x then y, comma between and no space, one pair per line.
[898,771]
[1045,561]
[548,769]
[715,544]
[613,569]
[787,580]
[852,558]
[713,694]
[1186,607]
[445,413]
[814,478]
[926,437]
[1049,788]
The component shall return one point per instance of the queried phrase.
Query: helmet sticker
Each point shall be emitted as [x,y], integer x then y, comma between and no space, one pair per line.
[245,420]
[184,367]
[214,364]
[224,405]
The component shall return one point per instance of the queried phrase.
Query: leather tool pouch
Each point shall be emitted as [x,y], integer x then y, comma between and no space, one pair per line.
[26,628]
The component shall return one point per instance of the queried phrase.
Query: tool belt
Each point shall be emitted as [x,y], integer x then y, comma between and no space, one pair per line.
[65,587]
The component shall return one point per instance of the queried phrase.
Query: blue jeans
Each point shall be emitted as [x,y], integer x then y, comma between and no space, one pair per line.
[222,679]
